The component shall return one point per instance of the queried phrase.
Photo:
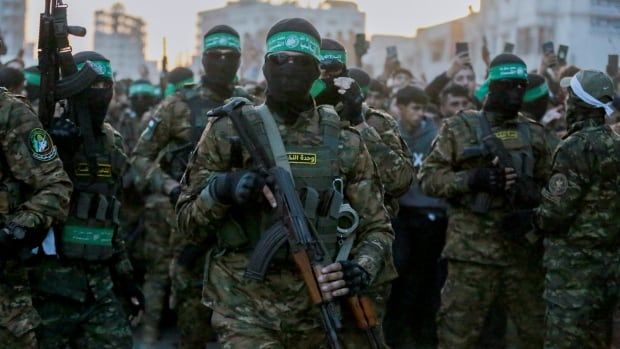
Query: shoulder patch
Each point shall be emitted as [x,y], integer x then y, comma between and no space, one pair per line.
[558,184]
[149,130]
[41,146]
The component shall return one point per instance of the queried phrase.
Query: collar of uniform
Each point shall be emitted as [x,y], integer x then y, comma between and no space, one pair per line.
[304,118]
[583,124]
[208,93]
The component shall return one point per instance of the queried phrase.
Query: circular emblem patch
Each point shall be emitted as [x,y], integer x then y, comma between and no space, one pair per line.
[291,41]
[558,184]
[41,145]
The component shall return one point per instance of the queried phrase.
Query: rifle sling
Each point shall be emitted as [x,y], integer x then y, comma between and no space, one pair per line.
[275,139]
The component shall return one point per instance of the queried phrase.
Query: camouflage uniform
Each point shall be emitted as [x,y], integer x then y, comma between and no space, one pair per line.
[161,154]
[484,265]
[579,214]
[391,155]
[127,122]
[73,290]
[38,169]
[278,312]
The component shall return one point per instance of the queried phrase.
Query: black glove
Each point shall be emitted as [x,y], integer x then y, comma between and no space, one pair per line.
[130,290]
[14,238]
[517,224]
[352,105]
[356,278]
[487,179]
[65,133]
[174,195]
[237,187]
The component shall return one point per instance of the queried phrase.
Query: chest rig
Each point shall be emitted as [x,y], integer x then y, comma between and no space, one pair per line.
[517,140]
[177,155]
[89,231]
[316,173]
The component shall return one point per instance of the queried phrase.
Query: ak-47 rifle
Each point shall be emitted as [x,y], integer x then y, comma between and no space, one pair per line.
[56,61]
[163,77]
[307,250]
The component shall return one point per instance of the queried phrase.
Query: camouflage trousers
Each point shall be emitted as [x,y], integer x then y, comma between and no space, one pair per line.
[470,291]
[100,324]
[159,224]
[193,318]
[18,318]
[581,290]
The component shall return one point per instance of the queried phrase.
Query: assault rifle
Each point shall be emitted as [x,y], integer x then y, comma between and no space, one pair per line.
[308,252]
[56,61]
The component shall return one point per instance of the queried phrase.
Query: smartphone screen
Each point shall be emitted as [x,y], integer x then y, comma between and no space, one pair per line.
[462,47]
[562,54]
[548,47]
[509,47]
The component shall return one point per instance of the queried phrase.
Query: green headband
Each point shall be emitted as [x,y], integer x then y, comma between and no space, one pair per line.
[536,92]
[103,68]
[340,56]
[508,71]
[294,41]
[33,78]
[172,88]
[221,40]
[482,91]
[147,89]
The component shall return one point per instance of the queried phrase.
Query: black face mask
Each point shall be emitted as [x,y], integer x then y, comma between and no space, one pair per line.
[220,70]
[536,108]
[141,103]
[290,82]
[505,97]
[98,101]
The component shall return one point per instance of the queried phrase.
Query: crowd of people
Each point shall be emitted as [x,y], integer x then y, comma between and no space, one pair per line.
[484,205]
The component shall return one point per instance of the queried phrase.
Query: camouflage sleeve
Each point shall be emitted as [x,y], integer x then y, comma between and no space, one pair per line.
[562,195]
[161,129]
[32,159]
[437,174]
[373,244]
[390,152]
[212,155]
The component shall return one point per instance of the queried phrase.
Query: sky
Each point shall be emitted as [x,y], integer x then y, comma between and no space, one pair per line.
[176,19]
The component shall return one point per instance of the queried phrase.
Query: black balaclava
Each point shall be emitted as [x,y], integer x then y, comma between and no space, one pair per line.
[288,85]
[506,92]
[362,78]
[11,78]
[536,97]
[142,101]
[220,73]
[97,99]
[330,94]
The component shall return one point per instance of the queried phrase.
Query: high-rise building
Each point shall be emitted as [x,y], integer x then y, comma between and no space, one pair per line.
[122,39]
[339,20]
[13,25]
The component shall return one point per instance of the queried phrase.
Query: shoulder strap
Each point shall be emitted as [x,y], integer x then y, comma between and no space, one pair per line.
[275,139]
[330,126]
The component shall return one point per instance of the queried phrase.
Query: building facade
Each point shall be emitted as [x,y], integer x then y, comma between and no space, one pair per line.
[122,38]
[13,26]
[339,20]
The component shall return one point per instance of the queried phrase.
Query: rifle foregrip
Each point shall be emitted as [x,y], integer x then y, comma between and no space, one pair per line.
[266,248]
[307,273]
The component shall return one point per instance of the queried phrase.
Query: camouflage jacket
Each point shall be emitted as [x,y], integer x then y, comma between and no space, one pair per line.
[372,248]
[475,237]
[128,123]
[29,160]
[170,129]
[391,155]
[581,206]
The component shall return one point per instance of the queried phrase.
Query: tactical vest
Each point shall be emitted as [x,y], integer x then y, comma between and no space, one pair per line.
[316,173]
[517,140]
[177,155]
[89,231]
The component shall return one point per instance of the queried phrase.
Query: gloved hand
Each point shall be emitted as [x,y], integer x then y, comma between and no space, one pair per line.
[236,187]
[356,278]
[486,179]
[15,238]
[65,133]
[134,295]
[516,225]
[352,100]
